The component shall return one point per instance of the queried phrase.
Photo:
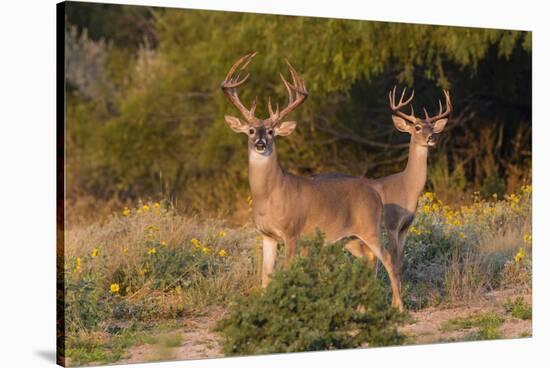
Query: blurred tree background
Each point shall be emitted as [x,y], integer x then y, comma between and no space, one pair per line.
[145,112]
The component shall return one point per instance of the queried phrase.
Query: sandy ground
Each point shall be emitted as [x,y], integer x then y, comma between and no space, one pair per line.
[199,342]
[425,324]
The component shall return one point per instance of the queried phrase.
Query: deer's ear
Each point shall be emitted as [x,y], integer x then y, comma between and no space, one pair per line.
[439,125]
[285,128]
[236,124]
[401,124]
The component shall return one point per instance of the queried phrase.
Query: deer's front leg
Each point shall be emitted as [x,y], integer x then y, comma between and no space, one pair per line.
[269,255]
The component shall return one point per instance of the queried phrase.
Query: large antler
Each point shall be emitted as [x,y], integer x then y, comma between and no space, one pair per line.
[441,114]
[297,94]
[230,84]
[396,107]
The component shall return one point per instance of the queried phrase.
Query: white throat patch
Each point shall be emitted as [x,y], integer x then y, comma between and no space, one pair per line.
[257,158]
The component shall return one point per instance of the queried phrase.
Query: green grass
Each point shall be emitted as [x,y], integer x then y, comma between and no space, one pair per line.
[170,340]
[108,348]
[518,308]
[487,326]
[103,348]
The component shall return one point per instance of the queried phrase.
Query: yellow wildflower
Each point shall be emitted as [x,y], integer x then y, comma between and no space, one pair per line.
[415,230]
[125,250]
[528,239]
[196,242]
[157,205]
[146,208]
[77,264]
[126,211]
[152,251]
[429,196]
[114,288]
[222,233]
[95,252]
[249,200]
[461,235]
[163,243]
[222,253]
[206,250]
[519,255]
[513,198]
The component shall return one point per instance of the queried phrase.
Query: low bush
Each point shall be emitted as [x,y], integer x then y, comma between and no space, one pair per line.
[457,254]
[518,308]
[327,300]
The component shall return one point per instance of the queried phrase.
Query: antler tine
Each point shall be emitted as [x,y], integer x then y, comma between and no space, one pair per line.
[229,79]
[408,101]
[396,108]
[231,82]
[441,114]
[297,94]
[402,95]
[288,89]
[391,97]
[253,107]
[426,114]
[272,116]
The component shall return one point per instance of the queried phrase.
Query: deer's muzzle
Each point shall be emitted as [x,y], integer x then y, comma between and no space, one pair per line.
[260,145]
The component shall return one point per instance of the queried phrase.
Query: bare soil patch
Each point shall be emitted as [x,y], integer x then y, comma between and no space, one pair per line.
[200,342]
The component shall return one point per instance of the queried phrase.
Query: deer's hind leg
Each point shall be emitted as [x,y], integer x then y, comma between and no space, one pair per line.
[376,246]
[398,239]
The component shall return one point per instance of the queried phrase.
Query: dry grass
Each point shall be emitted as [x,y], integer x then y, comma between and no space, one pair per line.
[137,268]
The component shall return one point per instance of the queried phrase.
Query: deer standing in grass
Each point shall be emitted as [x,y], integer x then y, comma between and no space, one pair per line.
[286,206]
[400,192]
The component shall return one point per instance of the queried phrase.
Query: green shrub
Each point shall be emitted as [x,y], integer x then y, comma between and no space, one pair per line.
[327,300]
[518,308]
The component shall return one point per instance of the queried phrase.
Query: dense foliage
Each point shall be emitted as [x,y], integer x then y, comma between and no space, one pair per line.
[145,117]
[328,300]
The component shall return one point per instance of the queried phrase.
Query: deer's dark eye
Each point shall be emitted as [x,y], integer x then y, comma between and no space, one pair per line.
[251,131]
[270,132]
[418,128]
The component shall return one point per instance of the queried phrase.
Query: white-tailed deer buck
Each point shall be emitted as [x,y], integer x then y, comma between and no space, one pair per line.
[286,206]
[400,192]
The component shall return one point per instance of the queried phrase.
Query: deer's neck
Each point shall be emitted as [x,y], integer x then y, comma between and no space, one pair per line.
[416,172]
[265,174]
